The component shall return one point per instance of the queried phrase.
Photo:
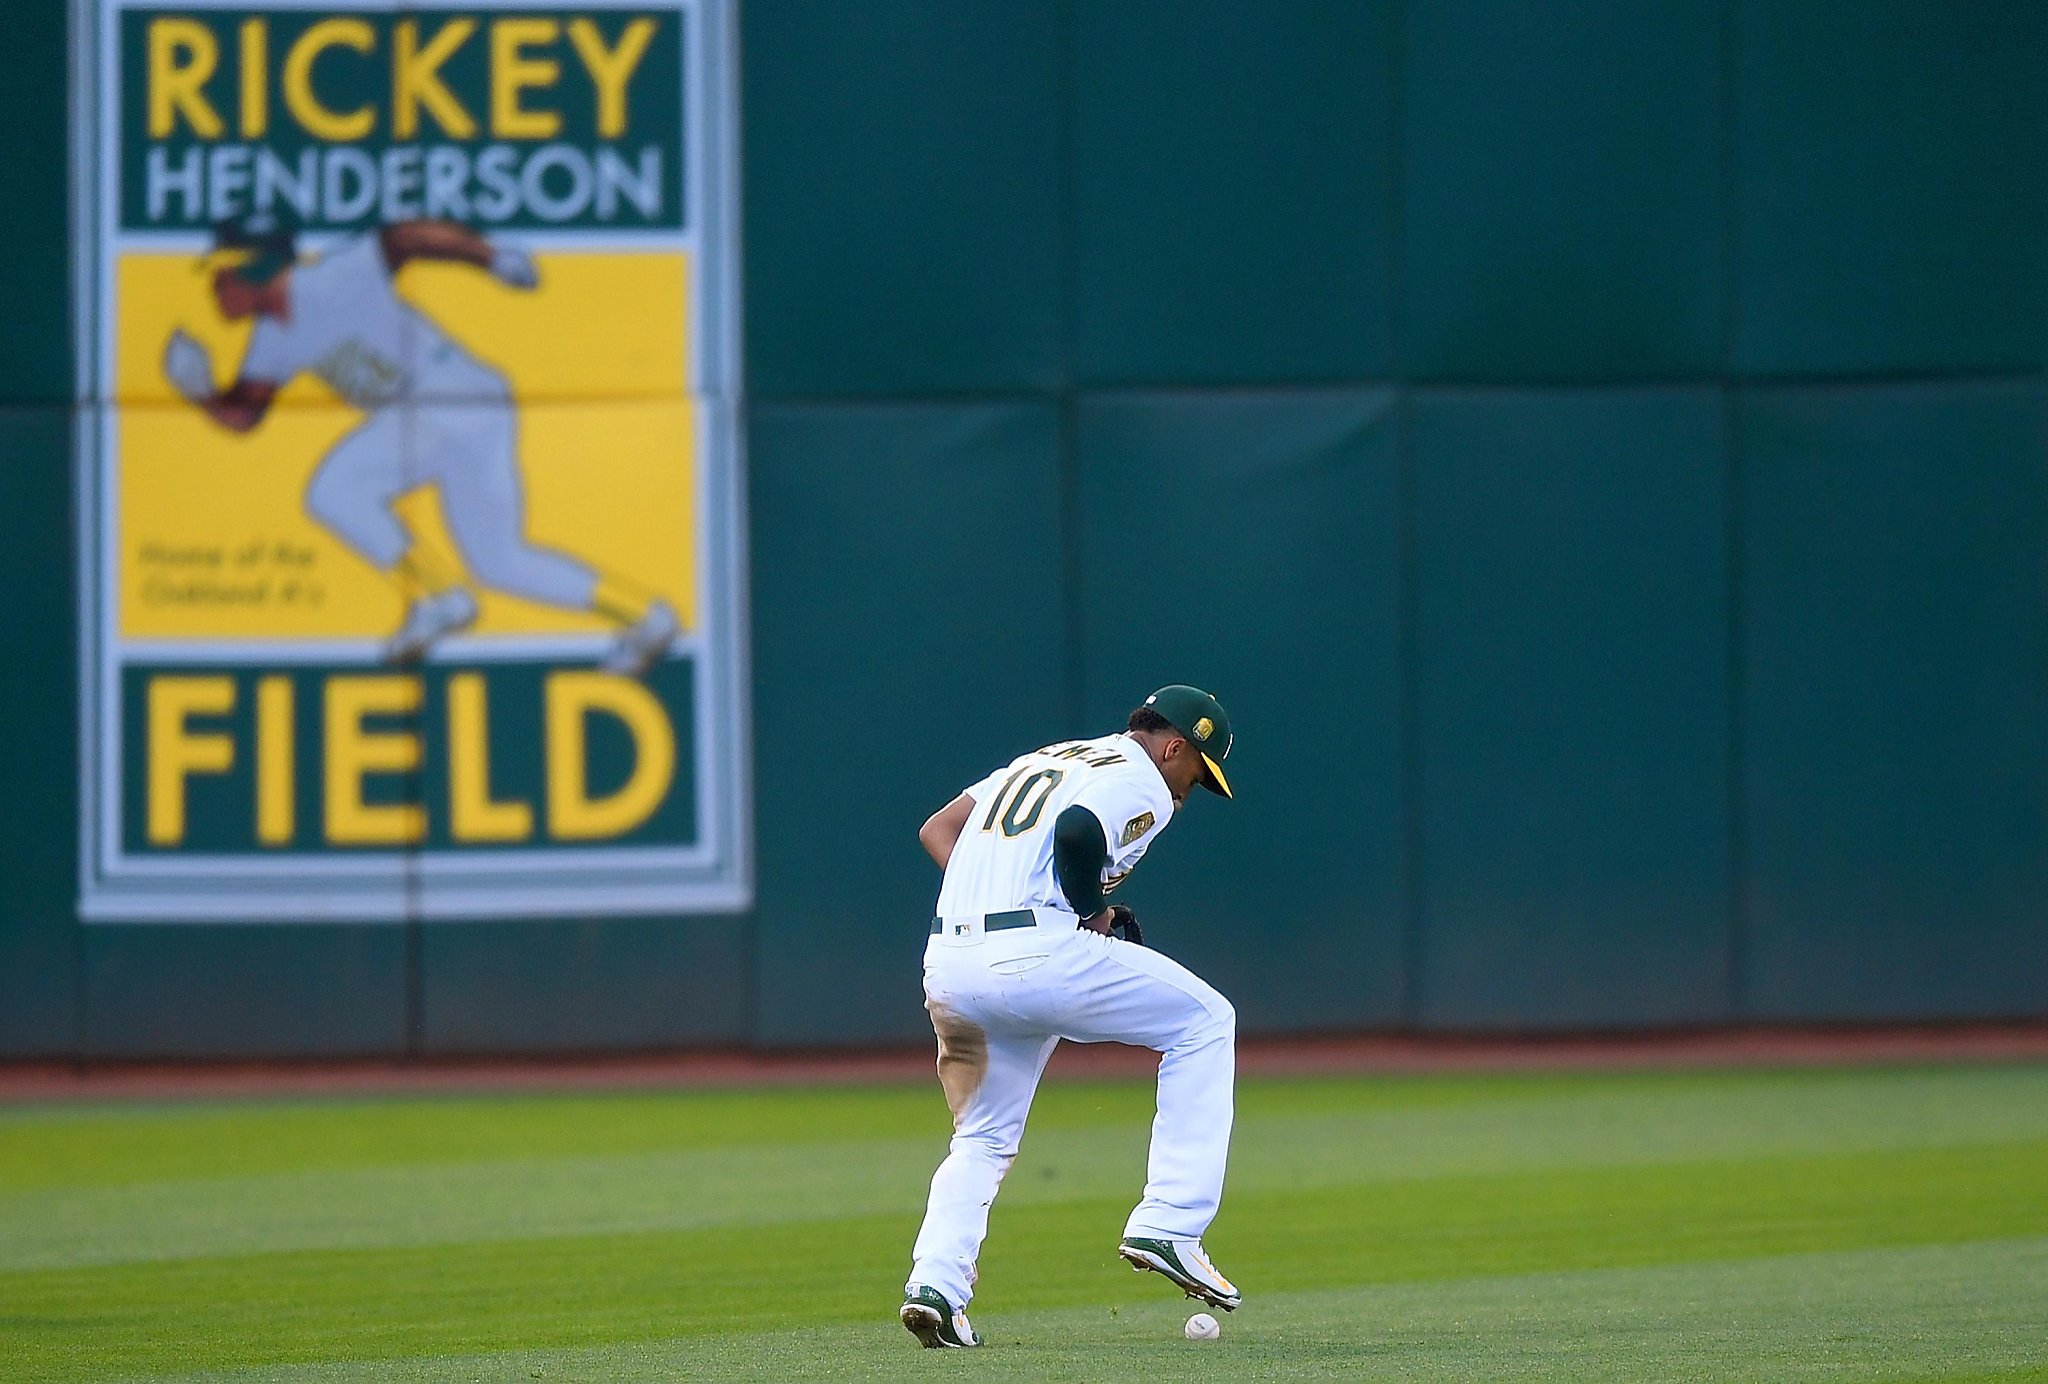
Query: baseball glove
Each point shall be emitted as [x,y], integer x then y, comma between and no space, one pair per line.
[1123,922]
[188,367]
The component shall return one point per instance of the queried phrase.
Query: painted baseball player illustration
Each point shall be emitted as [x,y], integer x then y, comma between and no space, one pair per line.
[1025,951]
[434,414]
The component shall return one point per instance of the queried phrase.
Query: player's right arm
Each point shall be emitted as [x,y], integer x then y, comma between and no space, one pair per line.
[405,241]
[942,829]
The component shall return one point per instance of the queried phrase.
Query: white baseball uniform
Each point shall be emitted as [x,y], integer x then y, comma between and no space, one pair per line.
[1003,991]
[436,414]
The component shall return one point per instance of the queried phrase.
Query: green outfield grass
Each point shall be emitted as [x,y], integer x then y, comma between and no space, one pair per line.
[1783,1225]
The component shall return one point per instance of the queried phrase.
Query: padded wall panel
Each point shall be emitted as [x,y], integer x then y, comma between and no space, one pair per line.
[303,990]
[39,749]
[1231,185]
[38,683]
[1562,189]
[35,69]
[616,983]
[1572,708]
[1247,543]
[902,196]
[1893,186]
[1896,701]
[908,638]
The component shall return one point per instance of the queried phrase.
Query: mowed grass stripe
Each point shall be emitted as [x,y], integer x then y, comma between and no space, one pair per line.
[92,1144]
[1291,1136]
[462,1298]
[113,1144]
[1942,1312]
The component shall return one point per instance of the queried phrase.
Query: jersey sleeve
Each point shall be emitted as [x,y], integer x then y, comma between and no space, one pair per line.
[269,358]
[982,788]
[349,276]
[1132,807]
[330,288]
[356,265]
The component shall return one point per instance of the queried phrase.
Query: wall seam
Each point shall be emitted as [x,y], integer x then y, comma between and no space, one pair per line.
[1408,704]
[81,42]
[1736,589]
[1065,395]
[1407,599]
[1737,674]
[81,1034]
[1399,380]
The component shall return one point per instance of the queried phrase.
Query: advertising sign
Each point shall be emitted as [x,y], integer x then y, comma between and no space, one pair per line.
[411,560]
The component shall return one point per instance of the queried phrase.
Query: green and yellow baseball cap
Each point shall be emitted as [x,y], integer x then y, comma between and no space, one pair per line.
[1201,718]
[257,246]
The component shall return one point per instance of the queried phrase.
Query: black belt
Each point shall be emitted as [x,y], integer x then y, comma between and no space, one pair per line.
[997,922]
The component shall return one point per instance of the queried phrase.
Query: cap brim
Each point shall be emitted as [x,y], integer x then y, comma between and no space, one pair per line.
[253,266]
[1215,782]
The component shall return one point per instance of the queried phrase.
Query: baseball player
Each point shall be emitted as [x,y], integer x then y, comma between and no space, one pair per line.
[1026,951]
[433,414]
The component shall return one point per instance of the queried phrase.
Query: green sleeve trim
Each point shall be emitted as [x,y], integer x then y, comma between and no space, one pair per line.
[1080,851]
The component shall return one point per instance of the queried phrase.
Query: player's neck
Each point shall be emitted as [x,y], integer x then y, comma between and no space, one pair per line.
[277,299]
[1151,742]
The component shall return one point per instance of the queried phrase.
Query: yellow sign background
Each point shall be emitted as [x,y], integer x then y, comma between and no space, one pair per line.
[213,540]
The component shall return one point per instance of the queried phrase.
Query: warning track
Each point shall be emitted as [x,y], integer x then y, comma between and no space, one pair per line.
[1285,1056]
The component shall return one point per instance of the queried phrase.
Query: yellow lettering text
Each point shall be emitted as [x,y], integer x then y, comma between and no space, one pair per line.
[275,817]
[416,79]
[255,78]
[176,751]
[354,751]
[573,814]
[473,815]
[306,107]
[610,70]
[182,55]
[513,72]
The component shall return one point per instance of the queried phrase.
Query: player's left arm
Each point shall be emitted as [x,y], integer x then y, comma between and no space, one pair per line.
[1100,838]
[941,831]
[1080,852]
[406,241]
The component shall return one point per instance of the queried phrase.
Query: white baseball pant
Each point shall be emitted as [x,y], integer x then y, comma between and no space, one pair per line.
[470,450]
[1000,1002]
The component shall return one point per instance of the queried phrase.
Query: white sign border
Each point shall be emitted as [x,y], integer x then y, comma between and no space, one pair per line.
[714,876]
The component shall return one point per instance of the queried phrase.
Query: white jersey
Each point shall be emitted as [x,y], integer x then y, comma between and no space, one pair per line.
[347,324]
[1003,859]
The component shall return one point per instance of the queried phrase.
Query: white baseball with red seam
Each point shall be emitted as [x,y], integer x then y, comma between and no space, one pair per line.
[1201,1327]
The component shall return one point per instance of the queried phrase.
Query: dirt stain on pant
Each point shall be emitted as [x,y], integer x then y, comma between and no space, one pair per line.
[963,1058]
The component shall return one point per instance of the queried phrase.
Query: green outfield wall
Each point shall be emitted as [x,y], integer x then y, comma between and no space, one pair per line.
[1598,451]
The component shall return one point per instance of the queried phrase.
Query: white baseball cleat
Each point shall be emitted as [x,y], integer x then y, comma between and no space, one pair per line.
[641,644]
[429,620]
[935,1322]
[1183,1264]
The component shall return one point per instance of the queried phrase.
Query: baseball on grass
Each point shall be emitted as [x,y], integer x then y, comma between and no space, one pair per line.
[1201,1327]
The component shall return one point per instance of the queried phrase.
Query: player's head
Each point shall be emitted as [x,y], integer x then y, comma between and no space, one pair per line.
[235,296]
[249,252]
[1188,735]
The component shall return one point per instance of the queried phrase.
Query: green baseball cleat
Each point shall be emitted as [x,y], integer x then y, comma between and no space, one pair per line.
[1184,1265]
[935,1322]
